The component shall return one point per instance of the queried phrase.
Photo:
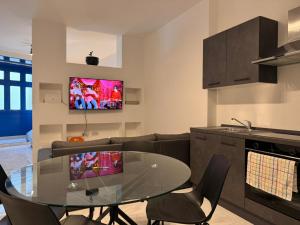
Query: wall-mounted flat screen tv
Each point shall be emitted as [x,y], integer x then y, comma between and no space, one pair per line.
[95,94]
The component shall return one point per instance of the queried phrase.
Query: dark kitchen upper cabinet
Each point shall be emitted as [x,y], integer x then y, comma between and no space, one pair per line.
[242,44]
[214,60]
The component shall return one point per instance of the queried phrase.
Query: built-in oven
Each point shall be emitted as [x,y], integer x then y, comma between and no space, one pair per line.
[289,208]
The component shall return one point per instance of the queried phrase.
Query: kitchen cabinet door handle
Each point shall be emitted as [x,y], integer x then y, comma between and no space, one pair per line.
[201,138]
[228,144]
[213,84]
[242,79]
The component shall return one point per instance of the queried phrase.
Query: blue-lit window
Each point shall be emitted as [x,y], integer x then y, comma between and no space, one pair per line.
[14,59]
[1,57]
[29,62]
[14,76]
[15,86]
[28,77]
[28,98]
[2,97]
[15,98]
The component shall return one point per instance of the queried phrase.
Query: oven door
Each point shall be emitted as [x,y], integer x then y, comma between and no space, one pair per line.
[289,208]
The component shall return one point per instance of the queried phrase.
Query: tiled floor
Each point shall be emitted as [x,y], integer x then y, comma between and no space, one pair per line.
[137,212]
[14,157]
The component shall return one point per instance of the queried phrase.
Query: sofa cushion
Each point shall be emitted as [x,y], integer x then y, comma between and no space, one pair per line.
[57,152]
[139,146]
[120,140]
[164,137]
[65,144]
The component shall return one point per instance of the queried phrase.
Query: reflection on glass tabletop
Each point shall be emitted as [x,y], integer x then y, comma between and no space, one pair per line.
[98,178]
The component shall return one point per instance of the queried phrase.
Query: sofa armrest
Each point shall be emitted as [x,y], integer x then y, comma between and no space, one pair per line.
[178,149]
[44,153]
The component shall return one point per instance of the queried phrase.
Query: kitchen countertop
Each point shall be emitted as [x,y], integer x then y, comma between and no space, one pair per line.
[257,134]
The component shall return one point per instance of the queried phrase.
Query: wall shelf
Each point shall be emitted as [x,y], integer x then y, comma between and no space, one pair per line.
[50,93]
[133,96]
[133,129]
[95,130]
[50,133]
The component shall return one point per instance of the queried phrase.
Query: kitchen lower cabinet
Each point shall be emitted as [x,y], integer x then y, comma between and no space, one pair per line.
[204,146]
[234,187]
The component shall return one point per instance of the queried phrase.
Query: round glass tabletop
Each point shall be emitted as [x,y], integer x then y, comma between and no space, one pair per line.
[98,179]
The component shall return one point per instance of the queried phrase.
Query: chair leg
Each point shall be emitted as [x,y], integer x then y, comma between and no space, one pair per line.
[91,213]
[101,210]
[149,222]
[67,213]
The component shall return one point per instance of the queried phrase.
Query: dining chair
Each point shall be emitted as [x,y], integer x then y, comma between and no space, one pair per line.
[58,211]
[4,220]
[22,212]
[185,208]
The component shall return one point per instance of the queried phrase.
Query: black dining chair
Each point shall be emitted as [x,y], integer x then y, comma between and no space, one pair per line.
[58,211]
[185,208]
[22,212]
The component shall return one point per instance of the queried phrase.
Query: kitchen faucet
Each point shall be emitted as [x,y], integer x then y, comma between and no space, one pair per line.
[248,125]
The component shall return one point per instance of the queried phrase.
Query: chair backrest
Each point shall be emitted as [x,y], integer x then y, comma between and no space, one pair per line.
[75,150]
[212,182]
[22,212]
[3,178]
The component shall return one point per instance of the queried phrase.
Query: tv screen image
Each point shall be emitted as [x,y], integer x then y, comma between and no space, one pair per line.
[95,94]
[95,164]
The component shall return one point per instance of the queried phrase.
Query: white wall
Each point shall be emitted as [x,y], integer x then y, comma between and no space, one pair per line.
[52,121]
[267,105]
[174,98]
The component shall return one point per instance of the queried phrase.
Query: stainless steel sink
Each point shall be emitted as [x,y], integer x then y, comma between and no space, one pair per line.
[234,130]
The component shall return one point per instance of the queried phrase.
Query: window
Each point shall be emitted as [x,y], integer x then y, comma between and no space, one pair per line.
[1,57]
[28,77]
[1,75]
[14,76]
[28,62]
[28,98]
[14,59]
[15,97]
[1,97]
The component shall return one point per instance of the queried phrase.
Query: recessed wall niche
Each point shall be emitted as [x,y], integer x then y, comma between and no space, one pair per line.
[107,47]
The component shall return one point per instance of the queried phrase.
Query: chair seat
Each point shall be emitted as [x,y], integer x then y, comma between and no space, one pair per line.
[4,221]
[78,220]
[176,208]
[58,211]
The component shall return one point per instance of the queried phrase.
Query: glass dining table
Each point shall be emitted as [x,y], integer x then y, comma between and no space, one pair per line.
[99,179]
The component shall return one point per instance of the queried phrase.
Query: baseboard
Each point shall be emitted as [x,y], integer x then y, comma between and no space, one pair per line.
[243,213]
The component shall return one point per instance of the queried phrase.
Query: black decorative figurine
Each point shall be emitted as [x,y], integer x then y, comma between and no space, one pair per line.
[92,60]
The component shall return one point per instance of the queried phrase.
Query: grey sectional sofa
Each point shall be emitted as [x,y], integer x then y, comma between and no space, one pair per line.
[173,145]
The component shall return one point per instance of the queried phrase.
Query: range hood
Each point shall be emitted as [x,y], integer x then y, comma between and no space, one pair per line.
[289,53]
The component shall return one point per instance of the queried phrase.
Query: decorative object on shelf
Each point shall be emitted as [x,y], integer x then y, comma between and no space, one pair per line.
[92,60]
[76,139]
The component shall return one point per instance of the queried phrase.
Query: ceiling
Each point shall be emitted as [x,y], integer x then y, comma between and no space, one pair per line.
[108,16]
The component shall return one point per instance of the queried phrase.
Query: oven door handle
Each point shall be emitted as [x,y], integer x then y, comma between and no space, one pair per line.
[297,159]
